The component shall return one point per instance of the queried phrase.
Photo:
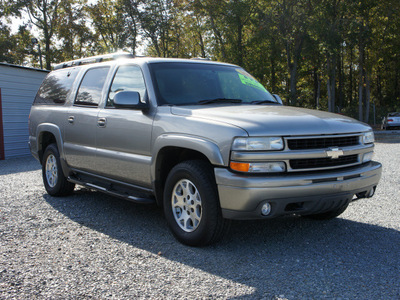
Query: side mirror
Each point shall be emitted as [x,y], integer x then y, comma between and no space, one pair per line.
[278,98]
[128,99]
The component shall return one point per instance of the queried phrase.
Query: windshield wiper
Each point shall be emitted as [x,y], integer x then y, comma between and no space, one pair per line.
[263,102]
[219,100]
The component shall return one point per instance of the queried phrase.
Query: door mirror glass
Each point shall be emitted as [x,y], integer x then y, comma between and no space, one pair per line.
[128,99]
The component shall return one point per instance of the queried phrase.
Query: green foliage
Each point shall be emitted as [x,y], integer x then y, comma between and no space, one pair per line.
[15,48]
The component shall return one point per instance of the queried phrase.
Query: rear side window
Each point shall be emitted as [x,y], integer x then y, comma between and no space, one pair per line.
[89,92]
[56,87]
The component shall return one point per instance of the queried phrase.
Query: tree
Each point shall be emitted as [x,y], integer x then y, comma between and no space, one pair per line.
[74,37]
[44,14]
[363,15]
[328,24]
[292,23]
[110,26]
[15,48]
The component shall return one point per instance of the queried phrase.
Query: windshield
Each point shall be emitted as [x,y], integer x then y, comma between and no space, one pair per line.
[194,83]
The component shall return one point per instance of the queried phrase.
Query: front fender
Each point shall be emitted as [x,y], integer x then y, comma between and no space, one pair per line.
[207,147]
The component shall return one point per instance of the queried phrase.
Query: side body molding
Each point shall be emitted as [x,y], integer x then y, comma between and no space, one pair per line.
[204,146]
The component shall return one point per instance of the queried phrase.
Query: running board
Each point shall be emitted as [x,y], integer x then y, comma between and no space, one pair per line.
[114,192]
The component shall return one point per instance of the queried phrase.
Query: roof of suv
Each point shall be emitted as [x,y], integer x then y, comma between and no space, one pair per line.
[128,57]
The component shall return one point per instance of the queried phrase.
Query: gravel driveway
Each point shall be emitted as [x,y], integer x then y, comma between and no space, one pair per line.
[90,245]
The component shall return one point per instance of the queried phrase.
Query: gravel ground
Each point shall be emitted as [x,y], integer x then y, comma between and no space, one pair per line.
[90,245]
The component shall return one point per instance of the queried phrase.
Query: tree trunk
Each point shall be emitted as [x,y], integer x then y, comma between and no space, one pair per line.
[46,36]
[155,43]
[273,54]
[218,36]
[293,82]
[201,42]
[361,84]
[318,92]
[351,78]
[317,87]
[292,66]
[273,75]
[331,85]
[367,97]
[239,41]
[340,79]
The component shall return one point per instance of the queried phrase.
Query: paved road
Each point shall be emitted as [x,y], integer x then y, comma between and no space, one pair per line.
[90,245]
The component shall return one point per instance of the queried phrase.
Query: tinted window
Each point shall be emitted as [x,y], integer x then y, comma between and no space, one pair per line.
[89,92]
[127,78]
[190,83]
[56,87]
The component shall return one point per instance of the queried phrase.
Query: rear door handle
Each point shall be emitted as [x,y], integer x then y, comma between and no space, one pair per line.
[101,122]
[71,119]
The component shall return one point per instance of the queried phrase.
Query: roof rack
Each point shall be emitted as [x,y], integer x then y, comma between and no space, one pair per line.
[200,58]
[93,59]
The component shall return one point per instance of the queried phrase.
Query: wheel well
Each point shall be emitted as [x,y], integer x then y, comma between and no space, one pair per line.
[46,138]
[168,158]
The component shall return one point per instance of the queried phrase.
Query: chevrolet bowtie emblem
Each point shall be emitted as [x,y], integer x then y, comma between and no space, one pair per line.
[334,153]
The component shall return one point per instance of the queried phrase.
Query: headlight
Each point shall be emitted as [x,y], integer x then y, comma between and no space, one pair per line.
[261,167]
[368,137]
[257,144]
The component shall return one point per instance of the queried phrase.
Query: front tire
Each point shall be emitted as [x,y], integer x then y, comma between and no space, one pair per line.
[55,183]
[191,204]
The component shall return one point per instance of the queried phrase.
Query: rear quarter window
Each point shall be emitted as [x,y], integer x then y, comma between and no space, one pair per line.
[90,89]
[56,87]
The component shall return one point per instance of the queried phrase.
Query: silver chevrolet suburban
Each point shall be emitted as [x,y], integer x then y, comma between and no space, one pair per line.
[204,140]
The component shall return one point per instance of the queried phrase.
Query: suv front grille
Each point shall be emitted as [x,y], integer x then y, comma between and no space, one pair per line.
[313,153]
[315,163]
[321,143]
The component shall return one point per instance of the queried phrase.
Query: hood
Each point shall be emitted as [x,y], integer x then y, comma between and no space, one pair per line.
[274,120]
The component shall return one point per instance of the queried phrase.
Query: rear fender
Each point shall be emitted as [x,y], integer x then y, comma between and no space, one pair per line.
[56,132]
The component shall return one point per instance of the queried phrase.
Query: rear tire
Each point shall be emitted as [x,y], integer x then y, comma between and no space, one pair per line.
[191,204]
[55,183]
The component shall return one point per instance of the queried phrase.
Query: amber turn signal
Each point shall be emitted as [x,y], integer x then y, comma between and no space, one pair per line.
[241,167]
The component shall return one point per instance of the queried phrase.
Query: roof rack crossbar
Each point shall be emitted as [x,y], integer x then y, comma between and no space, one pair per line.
[93,59]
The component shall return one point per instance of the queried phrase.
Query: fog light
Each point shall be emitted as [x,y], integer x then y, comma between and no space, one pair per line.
[367,157]
[266,209]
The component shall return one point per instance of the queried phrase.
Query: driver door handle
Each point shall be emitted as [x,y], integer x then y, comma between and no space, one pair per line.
[101,122]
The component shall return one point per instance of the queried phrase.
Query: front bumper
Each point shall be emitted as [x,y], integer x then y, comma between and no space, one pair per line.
[241,197]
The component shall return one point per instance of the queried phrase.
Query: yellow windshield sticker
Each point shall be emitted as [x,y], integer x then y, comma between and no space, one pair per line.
[251,82]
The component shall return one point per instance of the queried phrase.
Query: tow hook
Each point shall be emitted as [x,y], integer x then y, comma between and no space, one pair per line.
[366,194]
